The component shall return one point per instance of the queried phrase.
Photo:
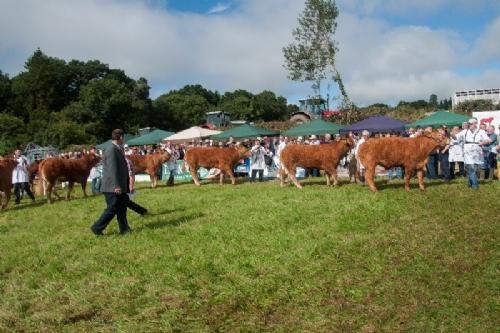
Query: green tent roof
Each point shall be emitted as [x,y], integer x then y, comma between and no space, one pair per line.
[104,145]
[244,131]
[440,118]
[316,127]
[151,138]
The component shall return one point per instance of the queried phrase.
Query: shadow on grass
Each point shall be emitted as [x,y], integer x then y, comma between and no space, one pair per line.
[169,222]
[22,206]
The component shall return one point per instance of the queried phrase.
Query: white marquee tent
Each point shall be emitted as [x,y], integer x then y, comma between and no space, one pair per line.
[194,133]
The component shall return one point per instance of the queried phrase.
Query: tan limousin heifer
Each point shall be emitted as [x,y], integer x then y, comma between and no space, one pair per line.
[150,164]
[70,170]
[7,165]
[409,153]
[325,157]
[223,159]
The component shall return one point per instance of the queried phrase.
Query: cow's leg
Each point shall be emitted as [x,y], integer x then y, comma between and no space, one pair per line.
[370,177]
[3,199]
[327,176]
[53,190]
[334,176]
[231,175]
[155,181]
[408,174]
[291,173]
[70,188]
[283,174]
[50,187]
[420,175]
[84,187]
[194,174]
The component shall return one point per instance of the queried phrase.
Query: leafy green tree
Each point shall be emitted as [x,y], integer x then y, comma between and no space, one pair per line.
[5,91]
[433,101]
[42,88]
[177,111]
[212,97]
[467,107]
[238,104]
[268,107]
[311,57]
[12,133]
[445,104]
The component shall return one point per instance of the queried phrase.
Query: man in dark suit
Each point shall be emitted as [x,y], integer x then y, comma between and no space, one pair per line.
[114,186]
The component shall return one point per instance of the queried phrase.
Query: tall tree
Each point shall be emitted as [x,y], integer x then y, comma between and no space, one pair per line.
[238,104]
[177,111]
[433,101]
[311,57]
[5,91]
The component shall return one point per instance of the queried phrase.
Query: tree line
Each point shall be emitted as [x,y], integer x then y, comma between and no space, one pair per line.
[54,102]
[60,103]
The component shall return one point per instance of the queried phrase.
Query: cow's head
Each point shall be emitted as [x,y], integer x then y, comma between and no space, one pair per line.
[92,158]
[243,152]
[440,138]
[348,142]
[165,155]
[8,163]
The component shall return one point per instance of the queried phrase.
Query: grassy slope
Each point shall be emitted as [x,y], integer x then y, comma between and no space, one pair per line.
[256,257]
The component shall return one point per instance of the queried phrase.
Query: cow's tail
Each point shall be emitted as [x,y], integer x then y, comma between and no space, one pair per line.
[43,178]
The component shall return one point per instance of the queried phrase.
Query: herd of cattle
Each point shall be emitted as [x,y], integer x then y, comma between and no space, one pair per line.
[409,153]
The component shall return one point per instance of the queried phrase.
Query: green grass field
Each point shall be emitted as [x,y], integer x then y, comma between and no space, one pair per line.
[257,257]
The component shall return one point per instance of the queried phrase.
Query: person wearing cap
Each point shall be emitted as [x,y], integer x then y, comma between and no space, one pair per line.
[473,139]
[172,162]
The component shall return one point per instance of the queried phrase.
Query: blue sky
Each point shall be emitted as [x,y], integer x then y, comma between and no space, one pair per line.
[390,50]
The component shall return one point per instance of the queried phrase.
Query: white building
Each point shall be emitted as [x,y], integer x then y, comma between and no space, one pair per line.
[470,95]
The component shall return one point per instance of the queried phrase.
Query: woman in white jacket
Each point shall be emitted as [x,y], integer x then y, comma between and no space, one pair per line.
[257,160]
[20,177]
[456,153]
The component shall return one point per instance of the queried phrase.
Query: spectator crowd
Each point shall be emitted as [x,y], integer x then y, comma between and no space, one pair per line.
[472,152]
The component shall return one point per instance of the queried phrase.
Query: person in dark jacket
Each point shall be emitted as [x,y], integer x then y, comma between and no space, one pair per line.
[114,186]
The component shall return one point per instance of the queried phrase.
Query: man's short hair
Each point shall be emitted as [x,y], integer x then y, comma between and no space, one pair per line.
[117,134]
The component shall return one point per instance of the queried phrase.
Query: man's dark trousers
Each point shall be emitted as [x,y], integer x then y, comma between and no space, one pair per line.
[116,205]
[136,207]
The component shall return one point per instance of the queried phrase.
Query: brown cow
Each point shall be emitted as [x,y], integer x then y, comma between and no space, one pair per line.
[69,170]
[33,171]
[325,157]
[149,164]
[223,159]
[409,153]
[7,165]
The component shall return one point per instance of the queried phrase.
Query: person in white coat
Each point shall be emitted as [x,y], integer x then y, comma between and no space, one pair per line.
[473,139]
[20,177]
[257,160]
[456,153]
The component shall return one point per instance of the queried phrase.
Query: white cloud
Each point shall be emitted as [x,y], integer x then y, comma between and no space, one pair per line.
[242,49]
[219,8]
[487,46]
[368,7]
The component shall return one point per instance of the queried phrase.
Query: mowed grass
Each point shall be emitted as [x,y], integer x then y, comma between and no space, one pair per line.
[256,257]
